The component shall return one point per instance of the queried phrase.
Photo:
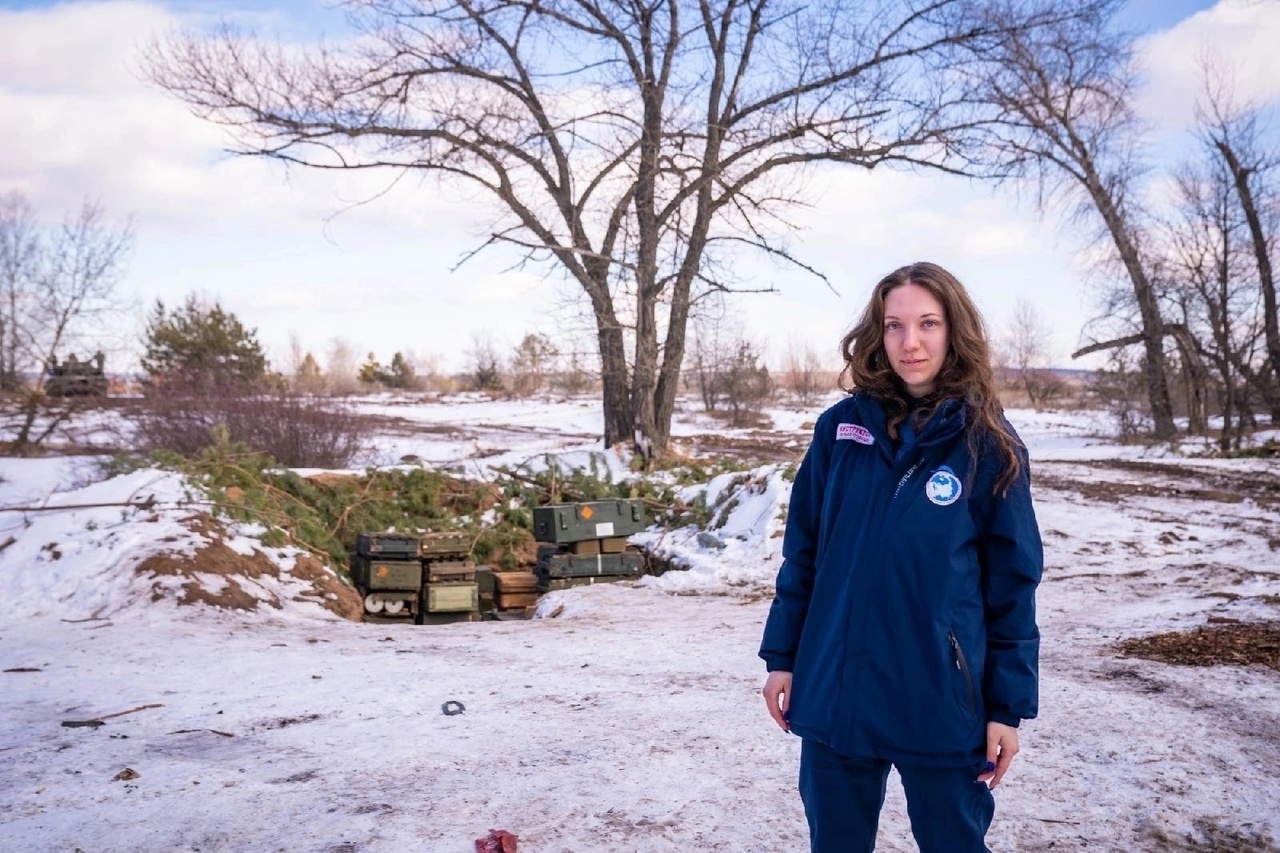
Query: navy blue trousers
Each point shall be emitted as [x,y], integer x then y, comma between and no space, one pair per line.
[950,813]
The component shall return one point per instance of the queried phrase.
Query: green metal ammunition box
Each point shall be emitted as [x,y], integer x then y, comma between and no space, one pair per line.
[452,597]
[563,523]
[628,564]
[378,574]
[444,544]
[395,546]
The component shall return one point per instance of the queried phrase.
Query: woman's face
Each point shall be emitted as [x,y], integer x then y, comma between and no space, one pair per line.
[915,336]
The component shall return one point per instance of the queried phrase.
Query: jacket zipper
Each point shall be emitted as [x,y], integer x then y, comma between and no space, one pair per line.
[963,666]
[905,477]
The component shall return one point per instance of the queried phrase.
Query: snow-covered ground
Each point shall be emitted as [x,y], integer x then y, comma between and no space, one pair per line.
[628,717]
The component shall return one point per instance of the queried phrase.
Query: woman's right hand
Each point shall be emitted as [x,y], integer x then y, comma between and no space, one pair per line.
[777,696]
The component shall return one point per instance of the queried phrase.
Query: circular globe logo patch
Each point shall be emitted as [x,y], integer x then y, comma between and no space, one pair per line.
[943,488]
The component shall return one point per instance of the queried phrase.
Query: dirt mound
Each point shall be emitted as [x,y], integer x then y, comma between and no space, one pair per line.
[220,576]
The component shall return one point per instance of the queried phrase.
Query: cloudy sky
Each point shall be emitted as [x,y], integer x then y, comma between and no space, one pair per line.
[285,251]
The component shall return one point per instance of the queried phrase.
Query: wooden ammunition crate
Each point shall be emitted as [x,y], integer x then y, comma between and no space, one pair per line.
[505,583]
[444,544]
[515,600]
[440,571]
[613,545]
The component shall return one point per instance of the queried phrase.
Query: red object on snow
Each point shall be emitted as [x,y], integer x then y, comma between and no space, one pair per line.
[497,841]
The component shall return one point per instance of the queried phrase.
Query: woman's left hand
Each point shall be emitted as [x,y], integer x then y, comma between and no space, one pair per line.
[1002,746]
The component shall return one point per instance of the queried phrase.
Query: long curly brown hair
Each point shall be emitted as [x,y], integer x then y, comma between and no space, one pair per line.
[966,372]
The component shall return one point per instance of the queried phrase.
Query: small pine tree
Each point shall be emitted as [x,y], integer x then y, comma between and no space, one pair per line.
[531,363]
[746,384]
[401,373]
[371,372]
[307,378]
[201,343]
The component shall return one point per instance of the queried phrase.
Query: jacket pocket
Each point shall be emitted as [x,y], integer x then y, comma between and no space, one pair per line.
[962,664]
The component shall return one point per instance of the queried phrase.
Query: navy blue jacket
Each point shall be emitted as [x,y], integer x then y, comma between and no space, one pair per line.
[905,606]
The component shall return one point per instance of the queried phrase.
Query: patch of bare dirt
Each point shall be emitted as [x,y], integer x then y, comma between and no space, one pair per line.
[1166,480]
[396,425]
[759,447]
[334,595]
[1224,643]
[236,571]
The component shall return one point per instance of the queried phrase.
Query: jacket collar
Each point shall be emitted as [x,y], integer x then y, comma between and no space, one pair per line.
[947,421]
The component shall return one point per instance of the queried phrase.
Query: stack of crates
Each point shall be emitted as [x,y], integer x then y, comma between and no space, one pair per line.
[586,543]
[388,574]
[429,579]
[450,589]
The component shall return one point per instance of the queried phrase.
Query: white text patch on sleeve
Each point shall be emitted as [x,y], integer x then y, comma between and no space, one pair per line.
[854,432]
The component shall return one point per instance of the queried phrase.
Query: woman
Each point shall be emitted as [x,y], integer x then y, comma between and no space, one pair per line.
[903,631]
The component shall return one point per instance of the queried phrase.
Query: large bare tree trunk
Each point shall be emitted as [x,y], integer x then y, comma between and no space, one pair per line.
[1266,277]
[1155,371]
[613,376]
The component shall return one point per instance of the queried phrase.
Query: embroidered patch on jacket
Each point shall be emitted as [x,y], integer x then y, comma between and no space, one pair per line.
[943,487]
[854,432]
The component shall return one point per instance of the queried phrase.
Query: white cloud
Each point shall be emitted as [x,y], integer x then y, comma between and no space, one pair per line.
[1239,35]
[48,51]
[69,77]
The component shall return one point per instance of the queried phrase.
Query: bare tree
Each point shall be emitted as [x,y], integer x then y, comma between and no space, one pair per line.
[715,340]
[1235,134]
[804,375]
[531,363]
[1026,351]
[19,265]
[427,368]
[578,373]
[632,146]
[60,285]
[340,367]
[302,369]
[484,365]
[1203,252]
[1066,93]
